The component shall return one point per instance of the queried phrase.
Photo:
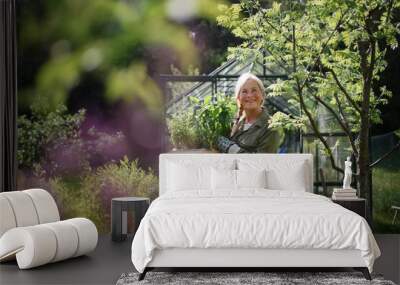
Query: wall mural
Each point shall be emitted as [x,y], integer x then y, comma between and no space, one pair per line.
[104,87]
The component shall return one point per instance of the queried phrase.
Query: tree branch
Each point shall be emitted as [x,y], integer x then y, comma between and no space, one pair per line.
[308,114]
[317,59]
[344,127]
[316,131]
[295,45]
[389,12]
[341,87]
[282,63]
[281,33]
[341,111]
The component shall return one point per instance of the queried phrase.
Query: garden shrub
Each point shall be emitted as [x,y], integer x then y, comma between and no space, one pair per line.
[57,142]
[78,167]
[72,156]
[213,118]
[202,122]
[90,195]
[79,199]
[103,147]
[182,130]
[38,130]
[125,179]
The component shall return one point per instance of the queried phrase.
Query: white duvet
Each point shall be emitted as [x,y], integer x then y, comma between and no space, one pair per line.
[254,218]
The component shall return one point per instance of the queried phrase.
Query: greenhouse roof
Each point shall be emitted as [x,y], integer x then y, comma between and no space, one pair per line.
[223,80]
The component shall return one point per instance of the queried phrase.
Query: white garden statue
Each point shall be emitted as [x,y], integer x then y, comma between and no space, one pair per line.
[347,174]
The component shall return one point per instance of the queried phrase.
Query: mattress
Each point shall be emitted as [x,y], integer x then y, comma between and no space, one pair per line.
[251,219]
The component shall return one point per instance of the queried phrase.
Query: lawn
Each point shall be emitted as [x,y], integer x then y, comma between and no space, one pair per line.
[386,192]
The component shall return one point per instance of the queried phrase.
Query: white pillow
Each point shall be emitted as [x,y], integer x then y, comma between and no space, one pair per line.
[227,179]
[251,178]
[183,178]
[291,179]
[223,179]
[193,174]
[282,174]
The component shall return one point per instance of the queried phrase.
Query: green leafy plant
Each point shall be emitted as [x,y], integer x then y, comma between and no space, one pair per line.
[109,43]
[202,122]
[37,131]
[80,197]
[386,194]
[213,118]
[56,142]
[128,177]
[182,130]
[90,194]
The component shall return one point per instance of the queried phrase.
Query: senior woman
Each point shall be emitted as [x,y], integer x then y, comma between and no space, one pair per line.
[250,132]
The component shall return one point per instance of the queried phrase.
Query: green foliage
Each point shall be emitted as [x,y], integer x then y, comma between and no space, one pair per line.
[90,194]
[313,24]
[79,199]
[202,122]
[55,143]
[332,53]
[283,121]
[386,194]
[213,118]
[54,155]
[38,131]
[106,38]
[129,178]
[182,130]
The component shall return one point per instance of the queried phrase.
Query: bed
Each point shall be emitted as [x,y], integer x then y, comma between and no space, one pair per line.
[247,210]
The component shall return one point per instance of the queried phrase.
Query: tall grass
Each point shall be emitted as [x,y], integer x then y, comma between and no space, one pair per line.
[386,193]
[90,194]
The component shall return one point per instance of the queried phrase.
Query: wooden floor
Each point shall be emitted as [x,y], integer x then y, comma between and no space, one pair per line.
[111,259]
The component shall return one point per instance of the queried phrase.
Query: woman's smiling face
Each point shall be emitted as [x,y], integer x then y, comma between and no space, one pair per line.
[250,96]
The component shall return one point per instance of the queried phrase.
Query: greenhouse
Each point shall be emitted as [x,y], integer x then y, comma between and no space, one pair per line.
[179,88]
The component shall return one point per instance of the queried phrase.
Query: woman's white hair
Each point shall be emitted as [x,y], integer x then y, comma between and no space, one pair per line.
[243,79]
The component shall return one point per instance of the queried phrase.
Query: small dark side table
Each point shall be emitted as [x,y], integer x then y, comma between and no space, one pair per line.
[357,205]
[119,215]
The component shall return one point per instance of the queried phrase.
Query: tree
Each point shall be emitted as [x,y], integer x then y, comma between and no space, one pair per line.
[112,42]
[105,56]
[331,50]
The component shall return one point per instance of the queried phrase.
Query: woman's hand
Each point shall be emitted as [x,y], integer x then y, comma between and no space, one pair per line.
[224,144]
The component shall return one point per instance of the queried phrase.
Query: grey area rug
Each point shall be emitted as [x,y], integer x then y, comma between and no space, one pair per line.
[243,278]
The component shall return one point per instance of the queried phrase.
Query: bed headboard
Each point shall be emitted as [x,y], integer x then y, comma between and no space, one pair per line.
[211,158]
